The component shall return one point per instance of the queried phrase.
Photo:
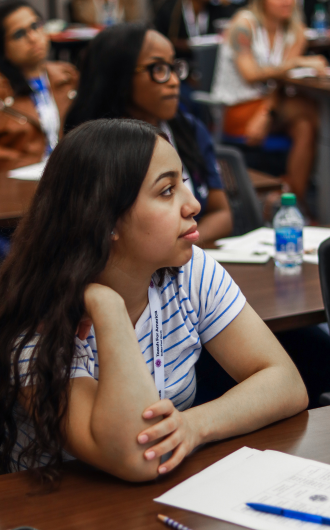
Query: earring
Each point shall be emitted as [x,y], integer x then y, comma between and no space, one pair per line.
[112,233]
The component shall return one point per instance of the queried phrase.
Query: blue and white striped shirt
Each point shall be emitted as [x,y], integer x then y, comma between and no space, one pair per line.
[196,305]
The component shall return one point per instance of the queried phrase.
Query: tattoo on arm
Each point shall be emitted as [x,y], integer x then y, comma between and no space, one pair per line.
[241,39]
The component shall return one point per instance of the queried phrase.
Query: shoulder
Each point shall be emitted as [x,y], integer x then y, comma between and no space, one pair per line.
[62,73]
[198,128]
[214,297]
[243,24]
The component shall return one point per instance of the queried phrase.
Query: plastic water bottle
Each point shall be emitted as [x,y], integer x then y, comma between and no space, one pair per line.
[320,20]
[288,224]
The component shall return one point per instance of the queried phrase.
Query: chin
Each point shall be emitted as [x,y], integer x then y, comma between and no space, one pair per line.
[182,258]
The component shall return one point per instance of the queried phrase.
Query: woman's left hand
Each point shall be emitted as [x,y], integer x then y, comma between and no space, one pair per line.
[175,431]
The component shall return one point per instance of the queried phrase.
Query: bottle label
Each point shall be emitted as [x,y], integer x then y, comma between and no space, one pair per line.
[289,240]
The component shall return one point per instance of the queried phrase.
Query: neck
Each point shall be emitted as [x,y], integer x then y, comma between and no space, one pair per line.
[35,70]
[271,24]
[197,6]
[130,283]
[139,114]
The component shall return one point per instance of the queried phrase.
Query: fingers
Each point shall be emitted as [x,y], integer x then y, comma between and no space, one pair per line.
[164,407]
[161,429]
[176,458]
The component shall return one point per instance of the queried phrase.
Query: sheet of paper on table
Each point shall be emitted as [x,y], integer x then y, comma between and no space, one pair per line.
[33,172]
[258,246]
[248,475]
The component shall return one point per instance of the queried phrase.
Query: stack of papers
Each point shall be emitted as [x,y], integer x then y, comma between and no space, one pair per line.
[248,475]
[33,172]
[258,246]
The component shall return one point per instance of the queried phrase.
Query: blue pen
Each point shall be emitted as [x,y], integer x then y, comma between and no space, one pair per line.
[292,514]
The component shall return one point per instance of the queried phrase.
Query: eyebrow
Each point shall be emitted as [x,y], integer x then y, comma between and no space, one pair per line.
[162,58]
[167,174]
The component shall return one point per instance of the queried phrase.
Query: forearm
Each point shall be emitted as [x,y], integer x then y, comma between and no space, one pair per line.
[214,225]
[124,390]
[265,397]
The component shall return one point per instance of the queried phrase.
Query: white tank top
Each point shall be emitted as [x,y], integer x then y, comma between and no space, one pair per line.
[228,85]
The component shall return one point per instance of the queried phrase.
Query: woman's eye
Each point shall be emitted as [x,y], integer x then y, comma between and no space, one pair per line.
[184,179]
[168,191]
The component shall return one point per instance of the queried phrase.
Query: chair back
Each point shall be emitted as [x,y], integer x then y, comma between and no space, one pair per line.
[205,58]
[242,197]
[324,272]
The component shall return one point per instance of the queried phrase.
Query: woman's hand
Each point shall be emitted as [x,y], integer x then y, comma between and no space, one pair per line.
[175,431]
[318,62]
[257,128]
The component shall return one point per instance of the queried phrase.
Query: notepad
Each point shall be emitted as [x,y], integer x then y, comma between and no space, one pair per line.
[248,475]
[258,246]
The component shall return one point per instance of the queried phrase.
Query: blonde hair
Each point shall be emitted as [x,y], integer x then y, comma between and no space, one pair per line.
[292,25]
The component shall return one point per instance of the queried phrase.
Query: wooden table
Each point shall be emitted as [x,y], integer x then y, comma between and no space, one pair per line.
[15,198]
[319,89]
[283,302]
[88,499]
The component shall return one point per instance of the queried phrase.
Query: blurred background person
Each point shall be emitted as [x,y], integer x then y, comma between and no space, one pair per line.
[108,12]
[129,71]
[179,20]
[34,94]
[261,45]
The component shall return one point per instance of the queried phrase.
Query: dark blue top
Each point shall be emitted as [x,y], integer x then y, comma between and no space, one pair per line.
[212,178]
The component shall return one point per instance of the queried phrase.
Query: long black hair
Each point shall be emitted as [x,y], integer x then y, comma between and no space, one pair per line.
[106,86]
[9,70]
[92,178]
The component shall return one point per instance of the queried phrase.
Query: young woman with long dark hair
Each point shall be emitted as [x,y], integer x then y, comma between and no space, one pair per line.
[130,71]
[35,94]
[108,243]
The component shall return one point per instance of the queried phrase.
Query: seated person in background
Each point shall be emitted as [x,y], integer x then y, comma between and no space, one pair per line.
[34,94]
[179,20]
[108,241]
[262,44]
[93,12]
[129,71]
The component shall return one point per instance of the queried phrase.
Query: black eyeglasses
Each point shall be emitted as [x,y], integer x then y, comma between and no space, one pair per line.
[21,33]
[160,71]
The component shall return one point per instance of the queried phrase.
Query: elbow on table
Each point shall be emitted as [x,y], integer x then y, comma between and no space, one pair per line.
[133,467]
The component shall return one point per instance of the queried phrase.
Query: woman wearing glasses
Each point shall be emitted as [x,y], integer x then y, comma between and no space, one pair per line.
[34,94]
[130,71]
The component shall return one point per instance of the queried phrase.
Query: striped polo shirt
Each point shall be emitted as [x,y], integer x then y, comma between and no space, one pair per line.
[196,305]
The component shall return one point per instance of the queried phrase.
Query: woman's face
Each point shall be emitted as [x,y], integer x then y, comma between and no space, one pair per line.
[153,234]
[279,9]
[26,43]
[151,101]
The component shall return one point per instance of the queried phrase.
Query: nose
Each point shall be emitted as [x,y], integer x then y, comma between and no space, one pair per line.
[191,206]
[32,34]
[174,81]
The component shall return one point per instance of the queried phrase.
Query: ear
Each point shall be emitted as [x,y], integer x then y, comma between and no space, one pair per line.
[114,235]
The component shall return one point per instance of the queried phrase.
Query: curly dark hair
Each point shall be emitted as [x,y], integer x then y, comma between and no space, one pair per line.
[91,179]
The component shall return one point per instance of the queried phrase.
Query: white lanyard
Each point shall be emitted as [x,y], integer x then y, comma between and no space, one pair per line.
[195,26]
[157,338]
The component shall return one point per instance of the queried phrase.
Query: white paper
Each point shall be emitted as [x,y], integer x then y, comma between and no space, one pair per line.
[33,172]
[253,246]
[268,477]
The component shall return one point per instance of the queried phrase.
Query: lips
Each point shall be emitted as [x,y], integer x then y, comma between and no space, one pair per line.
[191,235]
